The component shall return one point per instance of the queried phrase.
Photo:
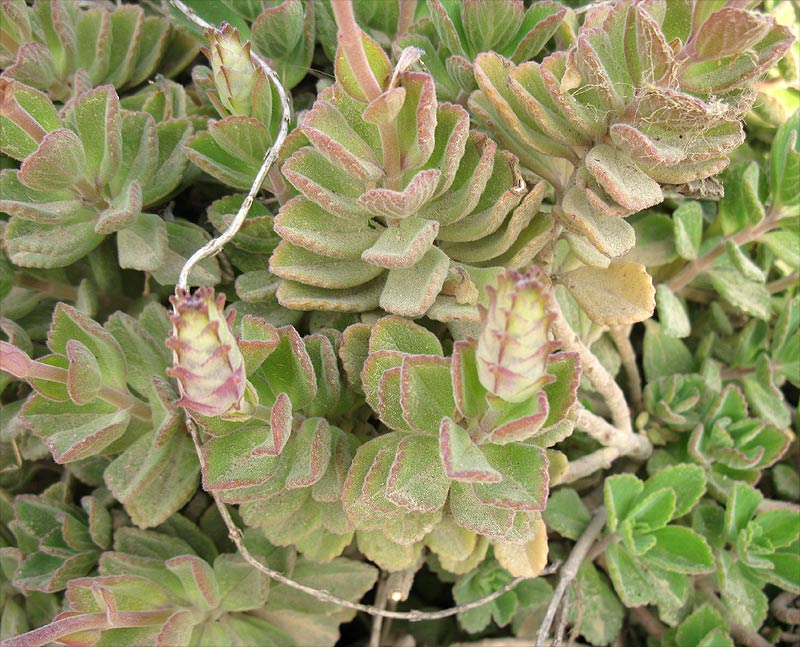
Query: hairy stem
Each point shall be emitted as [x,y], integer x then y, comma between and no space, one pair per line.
[569,571]
[622,340]
[600,378]
[590,464]
[406,15]
[349,34]
[86,622]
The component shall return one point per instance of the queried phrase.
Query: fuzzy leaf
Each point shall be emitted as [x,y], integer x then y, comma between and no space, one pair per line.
[462,458]
[426,392]
[622,293]
[416,479]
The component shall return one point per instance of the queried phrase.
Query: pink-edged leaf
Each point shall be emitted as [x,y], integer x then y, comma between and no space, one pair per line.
[411,291]
[376,363]
[563,392]
[519,421]
[426,394]
[402,245]
[622,179]
[57,164]
[470,394]
[471,513]
[389,409]
[525,483]
[326,367]
[257,341]
[353,352]
[280,425]
[416,479]
[402,204]
[311,453]
[462,458]
[197,577]
[229,461]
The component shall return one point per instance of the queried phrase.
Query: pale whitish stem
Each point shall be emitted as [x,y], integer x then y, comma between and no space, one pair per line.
[784,611]
[589,464]
[215,245]
[381,598]
[622,340]
[322,595]
[569,571]
[596,373]
[406,15]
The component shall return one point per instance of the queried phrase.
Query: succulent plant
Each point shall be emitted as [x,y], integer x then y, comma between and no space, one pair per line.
[626,114]
[74,189]
[456,32]
[64,50]
[718,433]
[483,455]
[233,148]
[380,217]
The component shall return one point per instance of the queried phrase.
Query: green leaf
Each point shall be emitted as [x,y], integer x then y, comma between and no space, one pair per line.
[288,369]
[680,550]
[784,245]
[751,297]
[672,314]
[687,481]
[664,355]
[426,395]
[154,480]
[741,207]
[688,223]
[417,480]
[652,511]
[594,607]
[566,513]
[785,161]
[633,585]
[620,493]
[404,336]
[469,393]
[143,245]
[699,625]
[741,506]
[764,396]
[461,457]
[68,324]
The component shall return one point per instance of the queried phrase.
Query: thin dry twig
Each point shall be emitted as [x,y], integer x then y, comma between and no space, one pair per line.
[622,340]
[569,571]
[215,245]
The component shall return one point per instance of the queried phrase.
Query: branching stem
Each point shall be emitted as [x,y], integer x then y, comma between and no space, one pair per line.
[704,262]
[622,340]
[569,571]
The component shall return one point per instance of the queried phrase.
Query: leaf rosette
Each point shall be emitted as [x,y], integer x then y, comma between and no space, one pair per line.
[458,453]
[380,217]
[627,114]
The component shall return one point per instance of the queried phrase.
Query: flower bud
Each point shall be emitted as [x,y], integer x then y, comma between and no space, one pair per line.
[207,362]
[235,75]
[513,346]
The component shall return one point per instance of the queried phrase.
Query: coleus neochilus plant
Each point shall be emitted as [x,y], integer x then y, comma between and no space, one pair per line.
[425,365]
